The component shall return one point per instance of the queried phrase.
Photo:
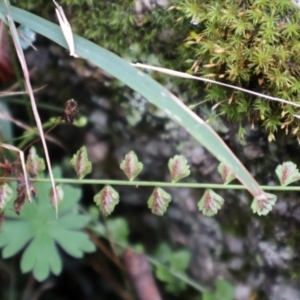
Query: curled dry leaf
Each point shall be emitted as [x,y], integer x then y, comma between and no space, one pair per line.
[34,163]
[81,163]
[210,203]
[22,194]
[71,111]
[24,187]
[107,199]
[6,194]
[178,167]
[59,193]
[131,166]
[158,201]
[6,66]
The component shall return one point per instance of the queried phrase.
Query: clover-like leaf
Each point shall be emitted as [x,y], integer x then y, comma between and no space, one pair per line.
[226,174]
[6,193]
[34,164]
[210,203]
[287,173]
[131,166]
[107,199]
[263,205]
[37,228]
[81,163]
[158,201]
[179,167]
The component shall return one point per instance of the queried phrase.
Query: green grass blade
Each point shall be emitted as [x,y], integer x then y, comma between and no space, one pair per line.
[147,87]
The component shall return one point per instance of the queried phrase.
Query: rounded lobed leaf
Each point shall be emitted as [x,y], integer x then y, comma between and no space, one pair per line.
[263,204]
[287,173]
[210,203]
[158,201]
[75,243]
[131,166]
[81,163]
[179,167]
[37,225]
[107,199]
[14,236]
[73,221]
[41,256]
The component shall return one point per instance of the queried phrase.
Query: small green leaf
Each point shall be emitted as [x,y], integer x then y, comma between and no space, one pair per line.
[6,194]
[131,166]
[287,173]
[163,252]
[163,274]
[210,203]
[107,199]
[263,205]
[81,163]
[35,165]
[158,201]
[173,285]
[224,290]
[180,260]
[81,121]
[37,227]
[226,174]
[119,230]
[178,167]
[208,296]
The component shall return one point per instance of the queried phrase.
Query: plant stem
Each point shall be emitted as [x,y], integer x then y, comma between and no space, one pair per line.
[158,183]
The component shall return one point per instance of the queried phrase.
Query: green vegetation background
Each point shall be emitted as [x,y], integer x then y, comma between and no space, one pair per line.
[252,44]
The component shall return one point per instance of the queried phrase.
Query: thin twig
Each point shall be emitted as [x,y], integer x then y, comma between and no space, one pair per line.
[105,250]
[188,76]
[10,94]
[32,100]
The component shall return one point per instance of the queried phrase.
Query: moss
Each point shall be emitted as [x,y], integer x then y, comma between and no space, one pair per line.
[251,44]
